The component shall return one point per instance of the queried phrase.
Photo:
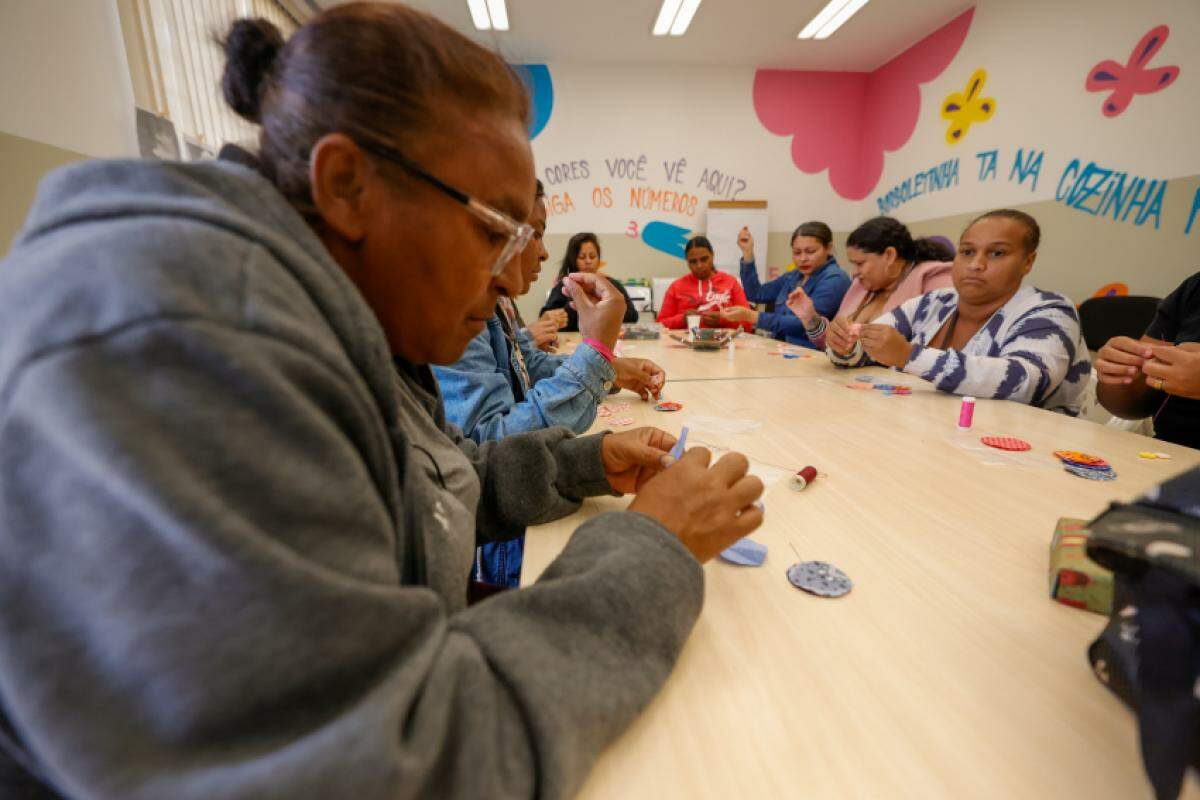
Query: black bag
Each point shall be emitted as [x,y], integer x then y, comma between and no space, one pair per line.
[1149,654]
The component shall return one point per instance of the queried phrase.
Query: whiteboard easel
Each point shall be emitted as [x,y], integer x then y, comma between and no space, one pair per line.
[725,219]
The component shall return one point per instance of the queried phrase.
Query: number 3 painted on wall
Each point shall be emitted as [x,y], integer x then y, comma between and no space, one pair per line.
[632,230]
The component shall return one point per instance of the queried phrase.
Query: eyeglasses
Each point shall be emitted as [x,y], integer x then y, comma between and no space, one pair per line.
[518,233]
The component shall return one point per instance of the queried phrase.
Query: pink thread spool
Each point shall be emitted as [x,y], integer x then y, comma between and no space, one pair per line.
[966,414]
[803,478]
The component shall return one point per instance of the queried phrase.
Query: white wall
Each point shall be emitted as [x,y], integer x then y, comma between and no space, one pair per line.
[705,116]
[1037,54]
[63,76]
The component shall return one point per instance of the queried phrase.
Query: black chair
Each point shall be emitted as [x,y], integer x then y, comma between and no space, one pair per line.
[1102,318]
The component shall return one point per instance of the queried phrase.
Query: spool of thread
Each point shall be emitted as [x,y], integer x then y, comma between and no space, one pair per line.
[803,478]
[966,414]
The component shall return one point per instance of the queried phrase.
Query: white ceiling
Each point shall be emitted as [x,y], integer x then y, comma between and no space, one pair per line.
[748,33]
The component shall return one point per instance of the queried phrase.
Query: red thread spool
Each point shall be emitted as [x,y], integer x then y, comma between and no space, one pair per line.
[803,478]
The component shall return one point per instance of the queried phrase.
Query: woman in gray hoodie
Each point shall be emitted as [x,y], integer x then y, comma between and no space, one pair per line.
[234,540]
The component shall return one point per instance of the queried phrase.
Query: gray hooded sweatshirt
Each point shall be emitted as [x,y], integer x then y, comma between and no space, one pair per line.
[235,540]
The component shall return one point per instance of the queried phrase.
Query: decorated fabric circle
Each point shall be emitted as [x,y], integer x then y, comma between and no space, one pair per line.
[1076,457]
[820,578]
[1006,443]
[1091,473]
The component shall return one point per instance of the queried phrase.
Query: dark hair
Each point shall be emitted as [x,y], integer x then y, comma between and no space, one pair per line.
[539,191]
[377,72]
[1033,231]
[573,247]
[817,230]
[878,234]
[697,241]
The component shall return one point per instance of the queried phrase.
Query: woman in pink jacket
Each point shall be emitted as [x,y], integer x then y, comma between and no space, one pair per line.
[889,267]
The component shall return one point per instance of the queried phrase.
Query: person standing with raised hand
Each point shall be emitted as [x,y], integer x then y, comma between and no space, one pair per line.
[235,535]
[817,276]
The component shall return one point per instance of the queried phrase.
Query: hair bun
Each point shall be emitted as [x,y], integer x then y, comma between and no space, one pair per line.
[251,47]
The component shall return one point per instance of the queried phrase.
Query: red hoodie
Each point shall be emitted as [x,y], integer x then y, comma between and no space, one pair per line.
[690,295]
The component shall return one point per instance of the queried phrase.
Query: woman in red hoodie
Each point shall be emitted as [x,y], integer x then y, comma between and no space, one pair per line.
[704,292]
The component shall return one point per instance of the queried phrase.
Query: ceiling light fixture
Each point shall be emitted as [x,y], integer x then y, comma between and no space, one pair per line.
[499,14]
[674,17]
[830,18]
[488,14]
[686,12]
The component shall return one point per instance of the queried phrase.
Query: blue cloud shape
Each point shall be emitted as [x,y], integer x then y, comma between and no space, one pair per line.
[541,92]
[666,238]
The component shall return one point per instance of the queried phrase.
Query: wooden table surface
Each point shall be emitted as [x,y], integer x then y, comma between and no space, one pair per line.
[754,357]
[947,671]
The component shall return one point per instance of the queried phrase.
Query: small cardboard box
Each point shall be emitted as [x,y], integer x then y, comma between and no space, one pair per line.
[1076,580]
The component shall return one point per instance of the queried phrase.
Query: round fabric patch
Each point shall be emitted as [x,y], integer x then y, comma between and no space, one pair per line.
[1077,457]
[668,405]
[1086,464]
[1091,474]
[820,578]
[1006,443]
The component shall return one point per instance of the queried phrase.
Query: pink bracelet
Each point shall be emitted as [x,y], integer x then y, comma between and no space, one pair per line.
[601,349]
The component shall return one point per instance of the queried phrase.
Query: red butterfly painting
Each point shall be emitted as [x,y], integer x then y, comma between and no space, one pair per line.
[1134,77]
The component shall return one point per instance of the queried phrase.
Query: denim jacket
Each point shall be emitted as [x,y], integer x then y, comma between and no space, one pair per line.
[484,395]
[826,287]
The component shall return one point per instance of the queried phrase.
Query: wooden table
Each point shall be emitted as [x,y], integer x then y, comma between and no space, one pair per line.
[947,671]
[754,358]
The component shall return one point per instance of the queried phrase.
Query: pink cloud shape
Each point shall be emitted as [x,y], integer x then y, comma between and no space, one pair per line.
[845,121]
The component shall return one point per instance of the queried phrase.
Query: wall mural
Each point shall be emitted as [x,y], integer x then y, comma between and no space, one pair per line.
[1134,77]
[541,93]
[967,107]
[665,237]
[862,114]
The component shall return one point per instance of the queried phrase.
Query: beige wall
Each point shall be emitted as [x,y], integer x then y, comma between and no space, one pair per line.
[66,95]
[64,78]
[23,162]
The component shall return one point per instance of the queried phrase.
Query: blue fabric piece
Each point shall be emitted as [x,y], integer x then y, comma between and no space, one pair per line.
[826,287]
[677,450]
[745,552]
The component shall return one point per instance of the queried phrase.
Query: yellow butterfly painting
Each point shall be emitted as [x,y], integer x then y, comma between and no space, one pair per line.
[965,108]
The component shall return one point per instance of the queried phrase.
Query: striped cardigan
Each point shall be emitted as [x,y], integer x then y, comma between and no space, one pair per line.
[1030,351]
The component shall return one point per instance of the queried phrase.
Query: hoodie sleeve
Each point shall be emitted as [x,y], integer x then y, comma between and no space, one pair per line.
[201,594]
[1032,361]
[673,308]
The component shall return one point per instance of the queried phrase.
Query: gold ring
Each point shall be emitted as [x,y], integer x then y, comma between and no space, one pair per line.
[1160,384]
